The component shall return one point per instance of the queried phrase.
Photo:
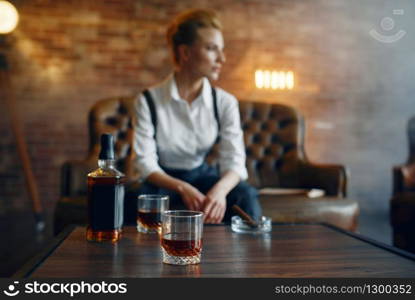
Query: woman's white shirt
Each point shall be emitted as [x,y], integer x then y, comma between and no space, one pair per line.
[186,132]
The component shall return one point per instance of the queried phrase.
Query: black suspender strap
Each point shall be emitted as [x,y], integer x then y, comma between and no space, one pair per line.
[216,111]
[215,107]
[150,103]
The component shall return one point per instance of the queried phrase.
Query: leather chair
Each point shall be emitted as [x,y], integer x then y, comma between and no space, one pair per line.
[402,205]
[274,139]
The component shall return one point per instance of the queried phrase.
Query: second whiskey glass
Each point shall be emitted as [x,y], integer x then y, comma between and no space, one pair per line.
[149,210]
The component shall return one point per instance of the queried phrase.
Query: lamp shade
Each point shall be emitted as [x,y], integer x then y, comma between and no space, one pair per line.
[8,17]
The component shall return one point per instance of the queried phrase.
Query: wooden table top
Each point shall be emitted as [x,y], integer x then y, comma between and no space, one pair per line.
[288,251]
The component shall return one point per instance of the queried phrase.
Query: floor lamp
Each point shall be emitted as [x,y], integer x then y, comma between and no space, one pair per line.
[8,22]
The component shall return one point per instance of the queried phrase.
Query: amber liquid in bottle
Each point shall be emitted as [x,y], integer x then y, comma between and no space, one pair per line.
[105,202]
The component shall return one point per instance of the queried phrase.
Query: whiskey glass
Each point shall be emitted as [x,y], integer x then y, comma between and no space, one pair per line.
[181,237]
[149,210]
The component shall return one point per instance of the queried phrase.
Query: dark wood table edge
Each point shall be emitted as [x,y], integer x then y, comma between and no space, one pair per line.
[368,240]
[29,267]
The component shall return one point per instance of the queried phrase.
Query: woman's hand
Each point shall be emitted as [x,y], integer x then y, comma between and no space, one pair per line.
[191,196]
[214,205]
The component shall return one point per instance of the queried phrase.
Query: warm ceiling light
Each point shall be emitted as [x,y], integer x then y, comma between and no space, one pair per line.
[8,17]
[289,80]
[259,79]
[275,80]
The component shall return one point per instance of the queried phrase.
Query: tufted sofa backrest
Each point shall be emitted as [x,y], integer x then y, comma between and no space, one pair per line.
[115,116]
[273,136]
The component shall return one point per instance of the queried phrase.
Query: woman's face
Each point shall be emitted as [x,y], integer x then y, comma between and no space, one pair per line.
[205,57]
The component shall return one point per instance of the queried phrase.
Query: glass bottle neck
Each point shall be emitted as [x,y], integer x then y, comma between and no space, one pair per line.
[106,163]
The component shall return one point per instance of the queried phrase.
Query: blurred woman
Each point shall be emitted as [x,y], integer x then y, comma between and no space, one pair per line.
[180,119]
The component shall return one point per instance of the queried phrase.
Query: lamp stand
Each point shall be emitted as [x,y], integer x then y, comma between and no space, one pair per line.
[31,184]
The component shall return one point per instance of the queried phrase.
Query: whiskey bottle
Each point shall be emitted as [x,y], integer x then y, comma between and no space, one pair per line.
[105,196]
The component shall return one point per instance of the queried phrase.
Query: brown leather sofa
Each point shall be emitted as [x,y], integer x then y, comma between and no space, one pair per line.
[402,205]
[274,139]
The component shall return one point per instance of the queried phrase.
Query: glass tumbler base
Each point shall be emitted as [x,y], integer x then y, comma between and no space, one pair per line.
[180,260]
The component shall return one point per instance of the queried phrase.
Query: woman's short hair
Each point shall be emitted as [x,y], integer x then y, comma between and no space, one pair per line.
[183,28]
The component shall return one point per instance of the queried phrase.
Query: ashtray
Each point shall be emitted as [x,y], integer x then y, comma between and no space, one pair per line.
[241,226]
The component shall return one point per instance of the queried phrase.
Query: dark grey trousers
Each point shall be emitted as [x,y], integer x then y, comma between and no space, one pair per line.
[203,178]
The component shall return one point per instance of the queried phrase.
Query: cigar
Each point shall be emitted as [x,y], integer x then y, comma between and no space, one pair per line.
[251,222]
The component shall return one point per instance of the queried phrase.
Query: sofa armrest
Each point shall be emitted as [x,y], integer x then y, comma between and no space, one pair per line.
[74,177]
[404,178]
[402,209]
[398,182]
[330,178]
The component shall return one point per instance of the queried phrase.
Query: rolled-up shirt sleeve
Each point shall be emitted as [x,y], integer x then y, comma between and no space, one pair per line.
[231,148]
[144,143]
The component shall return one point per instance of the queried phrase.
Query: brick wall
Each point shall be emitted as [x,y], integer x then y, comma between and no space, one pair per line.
[355,92]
